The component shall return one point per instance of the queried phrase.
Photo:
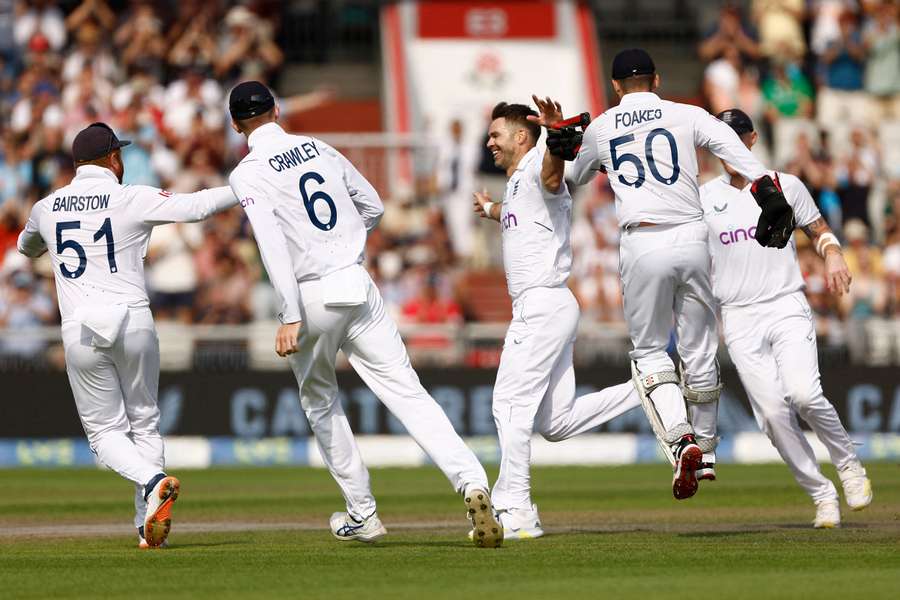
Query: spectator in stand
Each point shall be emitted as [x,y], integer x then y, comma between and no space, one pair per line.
[431,307]
[729,34]
[779,23]
[140,40]
[225,298]
[722,80]
[826,16]
[856,173]
[816,169]
[40,17]
[882,76]
[171,274]
[90,51]
[247,49]
[22,306]
[841,98]
[787,92]
[196,48]
[891,255]
[191,97]
[15,173]
[92,12]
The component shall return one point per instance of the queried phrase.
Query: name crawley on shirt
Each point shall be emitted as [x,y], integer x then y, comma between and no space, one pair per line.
[70,203]
[293,157]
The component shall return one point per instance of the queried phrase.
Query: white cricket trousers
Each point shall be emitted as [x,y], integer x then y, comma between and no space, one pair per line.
[115,392]
[773,346]
[535,389]
[665,282]
[373,346]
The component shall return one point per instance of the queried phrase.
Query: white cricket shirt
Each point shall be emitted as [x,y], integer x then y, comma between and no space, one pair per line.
[97,231]
[536,226]
[743,272]
[309,207]
[648,148]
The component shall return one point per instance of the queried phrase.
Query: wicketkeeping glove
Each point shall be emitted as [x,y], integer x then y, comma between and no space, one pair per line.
[564,138]
[776,223]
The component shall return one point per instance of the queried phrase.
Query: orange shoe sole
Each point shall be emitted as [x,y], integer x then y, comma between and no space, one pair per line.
[157,526]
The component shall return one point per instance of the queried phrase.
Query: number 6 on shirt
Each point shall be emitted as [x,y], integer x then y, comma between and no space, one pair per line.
[309,201]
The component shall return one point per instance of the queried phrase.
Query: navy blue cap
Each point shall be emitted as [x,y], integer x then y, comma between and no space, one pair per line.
[250,99]
[737,120]
[95,141]
[632,62]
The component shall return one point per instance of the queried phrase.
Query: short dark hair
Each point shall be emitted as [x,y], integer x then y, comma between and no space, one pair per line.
[637,82]
[518,113]
[251,123]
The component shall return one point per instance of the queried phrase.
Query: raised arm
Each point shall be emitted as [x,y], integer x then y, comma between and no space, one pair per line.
[588,161]
[553,167]
[158,206]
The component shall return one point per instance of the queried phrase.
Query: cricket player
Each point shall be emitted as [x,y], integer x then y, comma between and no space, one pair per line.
[535,388]
[97,231]
[769,331]
[647,146]
[310,210]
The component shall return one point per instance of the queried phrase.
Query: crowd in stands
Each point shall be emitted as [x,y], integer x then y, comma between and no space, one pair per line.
[821,79]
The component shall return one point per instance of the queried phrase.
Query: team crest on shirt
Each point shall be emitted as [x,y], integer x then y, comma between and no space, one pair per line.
[720,210]
[165,193]
[516,188]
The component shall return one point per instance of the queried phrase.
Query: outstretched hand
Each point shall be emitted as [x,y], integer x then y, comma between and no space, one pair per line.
[550,112]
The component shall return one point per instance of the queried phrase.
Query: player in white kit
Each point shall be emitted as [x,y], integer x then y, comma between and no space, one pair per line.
[535,388]
[311,210]
[97,231]
[769,331]
[647,146]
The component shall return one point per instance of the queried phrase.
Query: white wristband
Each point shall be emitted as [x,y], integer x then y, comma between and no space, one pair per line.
[825,240]
[486,207]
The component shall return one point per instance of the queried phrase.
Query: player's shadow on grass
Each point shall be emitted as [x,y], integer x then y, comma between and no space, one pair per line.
[728,533]
[399,544]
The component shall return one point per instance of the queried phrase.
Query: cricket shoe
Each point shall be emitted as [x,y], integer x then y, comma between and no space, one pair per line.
[518,524]
[487,532]
[857,487]
[688,457]
[162,491]
[706,471]
[142,543]
[828,514]
[346,528]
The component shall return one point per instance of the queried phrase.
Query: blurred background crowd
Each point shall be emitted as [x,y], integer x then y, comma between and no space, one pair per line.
[821,78]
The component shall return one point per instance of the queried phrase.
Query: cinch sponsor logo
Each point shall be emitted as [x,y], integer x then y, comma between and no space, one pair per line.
[508,221]
[245,202]
[737,235]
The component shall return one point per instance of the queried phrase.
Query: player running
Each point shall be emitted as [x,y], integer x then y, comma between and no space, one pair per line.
[647,146]
[535,388]
[769,332]
[311,210]
[98,230]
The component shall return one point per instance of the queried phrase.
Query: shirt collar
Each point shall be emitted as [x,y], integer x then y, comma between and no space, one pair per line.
[262,132]
[94,172]
[526,160]
[635,97]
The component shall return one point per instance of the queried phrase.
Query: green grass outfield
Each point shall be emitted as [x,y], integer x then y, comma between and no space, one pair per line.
[612,533]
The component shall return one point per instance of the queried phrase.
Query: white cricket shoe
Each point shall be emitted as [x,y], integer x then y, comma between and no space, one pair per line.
[346,528]
[487,532]
[828,514]
[521,523]
[158,521]
[857,487]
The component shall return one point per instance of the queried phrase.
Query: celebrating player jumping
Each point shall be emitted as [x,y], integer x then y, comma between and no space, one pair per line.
[769,331]
[647,146]
[535,388]
[97,231]
[311,211]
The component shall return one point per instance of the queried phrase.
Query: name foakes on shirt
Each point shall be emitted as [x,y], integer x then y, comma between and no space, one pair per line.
[636,117]
[80,203]
[294,157]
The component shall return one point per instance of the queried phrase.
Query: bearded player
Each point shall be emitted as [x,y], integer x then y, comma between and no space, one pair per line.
[769,330]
